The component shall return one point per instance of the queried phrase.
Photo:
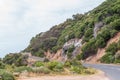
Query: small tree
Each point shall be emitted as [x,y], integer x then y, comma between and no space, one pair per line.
[112,48]
[100,43]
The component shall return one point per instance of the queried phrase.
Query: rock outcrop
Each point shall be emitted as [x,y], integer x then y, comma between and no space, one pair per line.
[97,27]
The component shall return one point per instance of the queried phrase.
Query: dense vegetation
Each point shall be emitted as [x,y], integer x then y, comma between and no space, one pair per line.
[6,71]
[15,59]
[5,75]
[81,26]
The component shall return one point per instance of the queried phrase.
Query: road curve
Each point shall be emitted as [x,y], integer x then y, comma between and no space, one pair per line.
[111,71]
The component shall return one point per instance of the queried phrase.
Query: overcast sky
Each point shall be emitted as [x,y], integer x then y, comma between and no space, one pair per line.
[20,20]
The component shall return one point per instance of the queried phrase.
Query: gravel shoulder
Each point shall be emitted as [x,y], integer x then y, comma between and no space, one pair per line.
[98,76]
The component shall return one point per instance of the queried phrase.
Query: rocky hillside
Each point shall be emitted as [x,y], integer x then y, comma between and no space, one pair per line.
[83,36]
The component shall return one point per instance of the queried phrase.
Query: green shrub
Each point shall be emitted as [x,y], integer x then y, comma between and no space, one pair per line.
[38,64]
[113,32]
[55,48]
[88,34]
[76,69]
[118,45]
[89,71]
[71,36]
[105,34]
[2,65]
[39,53]
[46,60]
[23,68]
[69,51]
[116,24]
[117,57]
[79,56]
[67,63]
[89,48]
[100,42]
[72,62]
[59,66]
[112,48]
[108,20]
[15,58]
[69,55]
[9,68]
[6,75]
[75,66]
[51,65]
[42,69]
[117,60]
[78,34]
[54,65]
[108,58]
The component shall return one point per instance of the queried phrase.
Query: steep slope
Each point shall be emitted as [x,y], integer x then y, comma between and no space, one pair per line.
[101,51]
[46,40]
[94,29]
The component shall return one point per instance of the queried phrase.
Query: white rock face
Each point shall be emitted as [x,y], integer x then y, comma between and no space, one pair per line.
[77,43]
[97,28]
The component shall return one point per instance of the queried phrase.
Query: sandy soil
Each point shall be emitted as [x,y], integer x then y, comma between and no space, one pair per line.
[65,78]
[99,76]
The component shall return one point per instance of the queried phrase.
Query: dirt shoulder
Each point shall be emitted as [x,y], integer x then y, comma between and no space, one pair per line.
[98,76]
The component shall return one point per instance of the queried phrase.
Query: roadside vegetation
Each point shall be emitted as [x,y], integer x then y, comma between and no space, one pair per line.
[70,67]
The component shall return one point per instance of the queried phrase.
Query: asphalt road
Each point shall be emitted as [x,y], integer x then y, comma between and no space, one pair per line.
[111,71]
